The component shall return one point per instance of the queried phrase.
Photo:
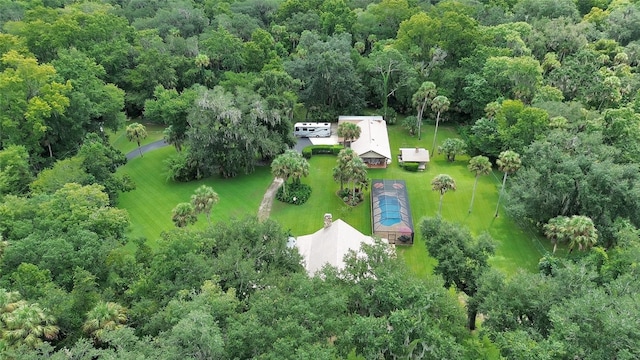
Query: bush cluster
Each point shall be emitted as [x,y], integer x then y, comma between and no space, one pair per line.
[411,166]
[321,149]
[347,196]
[297,194]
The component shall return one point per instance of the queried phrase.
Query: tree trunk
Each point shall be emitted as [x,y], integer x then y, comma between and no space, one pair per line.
[555,245]
[473,194]
[440,206]
[472,313]
[504,181]
[435,133]
[139,148]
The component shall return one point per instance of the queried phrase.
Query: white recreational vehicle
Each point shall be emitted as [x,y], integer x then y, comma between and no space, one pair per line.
[312,130]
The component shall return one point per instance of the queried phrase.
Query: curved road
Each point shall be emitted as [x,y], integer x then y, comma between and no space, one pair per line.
[146,148]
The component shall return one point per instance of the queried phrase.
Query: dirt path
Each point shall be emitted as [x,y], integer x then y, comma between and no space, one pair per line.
[267,201]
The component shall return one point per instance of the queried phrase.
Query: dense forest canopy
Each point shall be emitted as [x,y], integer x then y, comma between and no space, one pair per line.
[556,81]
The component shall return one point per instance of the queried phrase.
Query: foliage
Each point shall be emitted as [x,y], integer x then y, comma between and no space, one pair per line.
[328,72]
[352,171]
[349,131]
[15,172]
[321,149]
[575,174]
[184,214]
[203,200]
[180,167]
[229,132]
[297,194]
[479,166]
[462,260]
[442,184]
[290,165]
[452,147]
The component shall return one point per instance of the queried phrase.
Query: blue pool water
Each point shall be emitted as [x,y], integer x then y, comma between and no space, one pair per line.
[390,210]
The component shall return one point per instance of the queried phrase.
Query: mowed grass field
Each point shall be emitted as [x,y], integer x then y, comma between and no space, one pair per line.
[150,204]
[515,250]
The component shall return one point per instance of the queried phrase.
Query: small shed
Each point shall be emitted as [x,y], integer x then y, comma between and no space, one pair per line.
[415,155]
[390,211]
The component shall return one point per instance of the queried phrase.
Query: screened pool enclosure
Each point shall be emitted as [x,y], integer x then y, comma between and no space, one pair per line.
[390,211]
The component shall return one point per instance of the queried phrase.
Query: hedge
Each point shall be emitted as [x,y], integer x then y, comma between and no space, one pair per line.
[321,149]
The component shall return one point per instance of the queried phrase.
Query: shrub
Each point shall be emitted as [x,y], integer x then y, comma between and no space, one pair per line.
[297,194]
[411,166]
[179,168]
[307,152]
[321,149]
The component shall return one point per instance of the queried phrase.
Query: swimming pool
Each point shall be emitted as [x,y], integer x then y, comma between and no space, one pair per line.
[389,210]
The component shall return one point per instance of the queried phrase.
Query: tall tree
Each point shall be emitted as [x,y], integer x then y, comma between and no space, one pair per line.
[326,69]
[479,166]
[137,132]
[439,104]
[442,184]
[391,71]
[349,131]
[462,260]
[508,162]
[421,99]
[203,201]
[229,131]
[183,214]
[32,96]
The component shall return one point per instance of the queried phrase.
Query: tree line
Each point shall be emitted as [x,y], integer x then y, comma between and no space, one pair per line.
[553,81]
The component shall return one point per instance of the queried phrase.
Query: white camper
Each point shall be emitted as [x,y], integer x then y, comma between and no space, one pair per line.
[312,130]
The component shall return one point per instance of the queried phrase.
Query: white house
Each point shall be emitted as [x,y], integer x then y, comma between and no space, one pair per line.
[373,144]
[330,244]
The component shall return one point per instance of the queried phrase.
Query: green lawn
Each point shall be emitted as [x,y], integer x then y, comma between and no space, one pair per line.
[119,139]
[516,249]
[150,204]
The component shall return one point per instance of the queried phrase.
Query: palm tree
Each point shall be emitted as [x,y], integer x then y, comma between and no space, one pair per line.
[103,317]
[556,230]
[291,164]
[442,183]
[439,104]
[508,162]
[28,324]
[357,175]
[203,200]
[9,301]
[581,231]
[184,214]
[342,169]
[421,99]
[349,131]
[479,165]
[137,132]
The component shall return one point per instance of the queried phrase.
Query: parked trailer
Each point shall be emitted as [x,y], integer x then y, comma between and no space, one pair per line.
[312,130]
